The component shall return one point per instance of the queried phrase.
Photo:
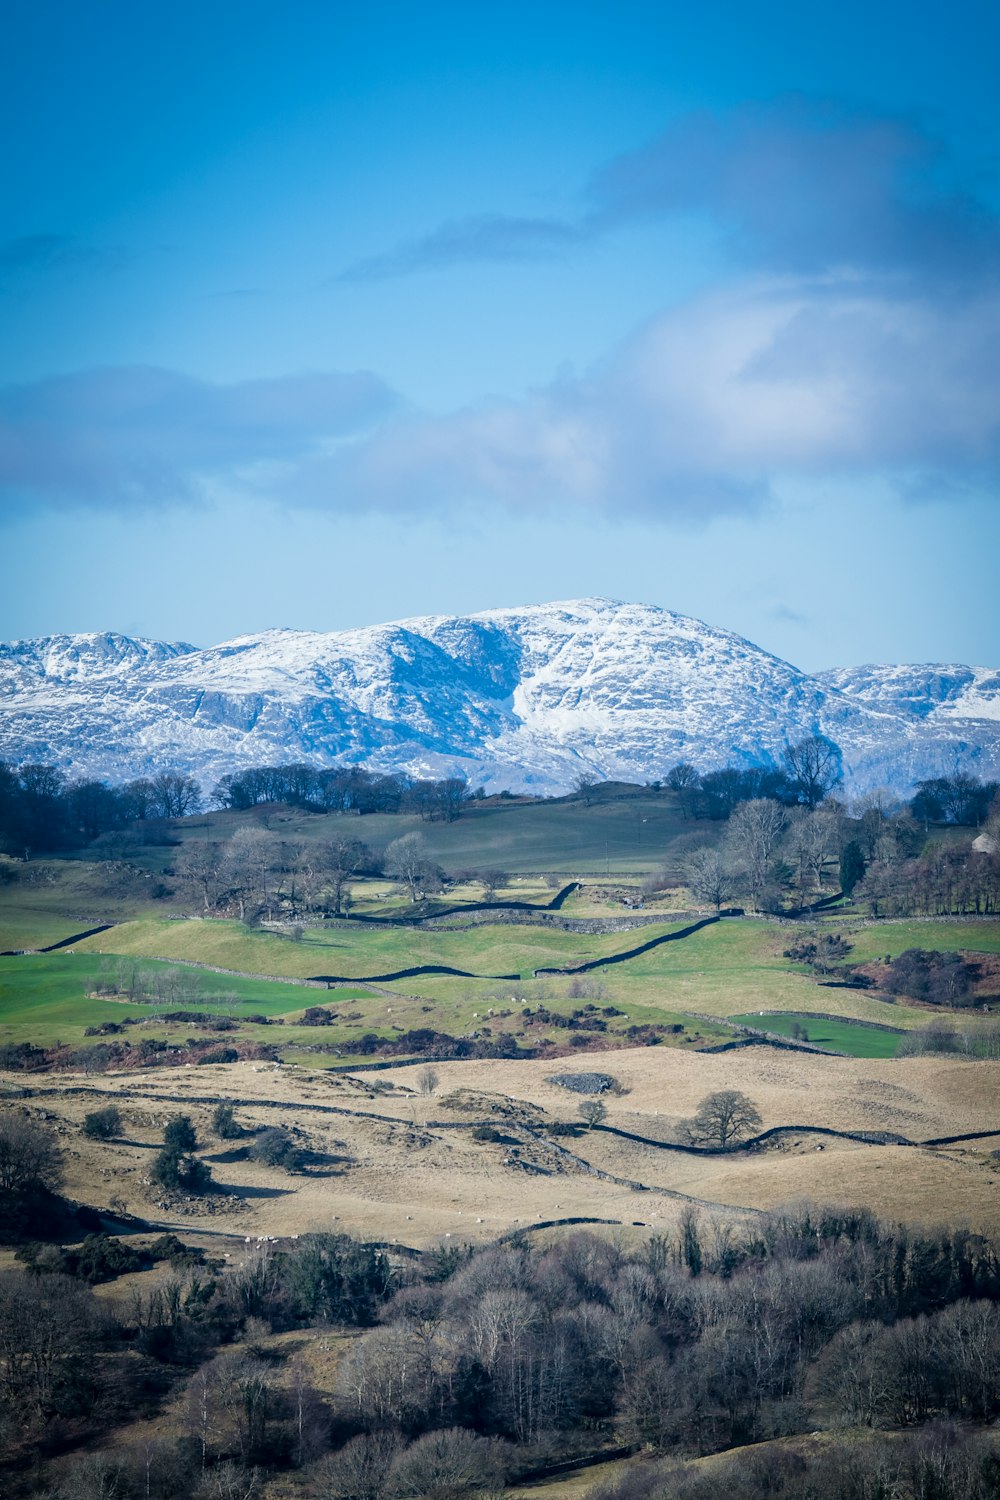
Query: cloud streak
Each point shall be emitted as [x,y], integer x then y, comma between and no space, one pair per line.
[477,237]
[124,437]
[42,254]
[792,184]
[704,407]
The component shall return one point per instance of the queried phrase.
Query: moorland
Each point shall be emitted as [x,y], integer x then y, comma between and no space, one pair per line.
[448,1033]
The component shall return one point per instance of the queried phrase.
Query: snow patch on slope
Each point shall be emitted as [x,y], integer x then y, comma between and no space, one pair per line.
[526,698]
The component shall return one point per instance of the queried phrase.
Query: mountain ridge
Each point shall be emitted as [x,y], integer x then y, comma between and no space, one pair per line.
[527,698]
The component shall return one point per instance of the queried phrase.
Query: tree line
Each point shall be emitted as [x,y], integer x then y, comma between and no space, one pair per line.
[774,855]
[41,809]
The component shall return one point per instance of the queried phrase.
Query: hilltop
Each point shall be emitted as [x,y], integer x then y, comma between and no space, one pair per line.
[526,699]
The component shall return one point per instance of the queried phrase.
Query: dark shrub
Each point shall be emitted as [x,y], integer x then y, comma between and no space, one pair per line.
[103,1124]
[276,1148]
[224,1122]
[179,1135]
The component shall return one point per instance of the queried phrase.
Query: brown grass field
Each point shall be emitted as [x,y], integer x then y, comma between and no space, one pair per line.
[402,1177]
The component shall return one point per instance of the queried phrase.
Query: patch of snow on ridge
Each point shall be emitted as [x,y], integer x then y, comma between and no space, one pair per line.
[522,698]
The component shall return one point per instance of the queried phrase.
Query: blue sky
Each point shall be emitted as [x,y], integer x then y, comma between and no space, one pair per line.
[320,314]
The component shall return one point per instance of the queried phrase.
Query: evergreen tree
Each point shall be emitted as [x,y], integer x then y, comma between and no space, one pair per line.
[852,866]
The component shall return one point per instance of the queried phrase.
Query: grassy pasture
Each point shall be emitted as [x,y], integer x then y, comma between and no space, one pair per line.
[733,966]
[52,899]
[855,1041]
[620,836]
[45,997]
[354,951]
[892,937]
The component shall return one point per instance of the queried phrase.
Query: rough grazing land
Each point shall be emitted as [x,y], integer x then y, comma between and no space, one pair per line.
[400,1165]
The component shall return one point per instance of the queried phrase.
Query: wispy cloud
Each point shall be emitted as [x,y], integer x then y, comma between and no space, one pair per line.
[790,184]
[40,254]
[123,437]
[855,333]
[696,415]
[705,406]
[479,237]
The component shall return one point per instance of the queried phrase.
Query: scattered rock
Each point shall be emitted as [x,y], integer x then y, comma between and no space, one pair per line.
[583,1083]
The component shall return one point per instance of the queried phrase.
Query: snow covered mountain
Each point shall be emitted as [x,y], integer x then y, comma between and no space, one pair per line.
[523,698]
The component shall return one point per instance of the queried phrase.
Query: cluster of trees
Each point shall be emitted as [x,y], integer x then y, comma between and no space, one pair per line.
[960,799]
[943,1461]
[773,854]
[40,809]
[808,773]
[770,855]
[343,789]
[474,1365]
[948,879]
[925,974]
[259,875]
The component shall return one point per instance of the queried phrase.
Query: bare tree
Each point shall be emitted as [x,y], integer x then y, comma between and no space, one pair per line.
[29,1154]
[493,881]
[342,858]
[592,1112]
[753,833]
[200,867]
[247,865]
[684,780]
[813,840]
[814,766]
[710,877]
[174,795]
[453,1462]
[407,859]
[428,1080]
[723,1117]
[361,1469]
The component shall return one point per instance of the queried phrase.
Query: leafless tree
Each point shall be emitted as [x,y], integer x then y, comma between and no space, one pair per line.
[342,858]
[361,1469]
[174,795]
[428,1079]
[592,1112]
[449,1463]
[710,877]
[814,766]
[29,1153]
[753,833]
[723,1117]
[685,781]
[493,881]
[49,1327]
[200,866]
[408,860]
[247,863]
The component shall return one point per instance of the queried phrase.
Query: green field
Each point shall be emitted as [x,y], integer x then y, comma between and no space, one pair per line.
[892,938]
[46,997]
[840,1036]
[619,835]
[355,951]
[728,966]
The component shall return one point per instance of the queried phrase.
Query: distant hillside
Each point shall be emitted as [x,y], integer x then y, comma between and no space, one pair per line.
[523,698]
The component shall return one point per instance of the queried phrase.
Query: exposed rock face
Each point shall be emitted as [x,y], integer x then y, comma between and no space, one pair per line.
[522,698]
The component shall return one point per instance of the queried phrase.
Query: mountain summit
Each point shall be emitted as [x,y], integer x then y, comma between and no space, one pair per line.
[526,698]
